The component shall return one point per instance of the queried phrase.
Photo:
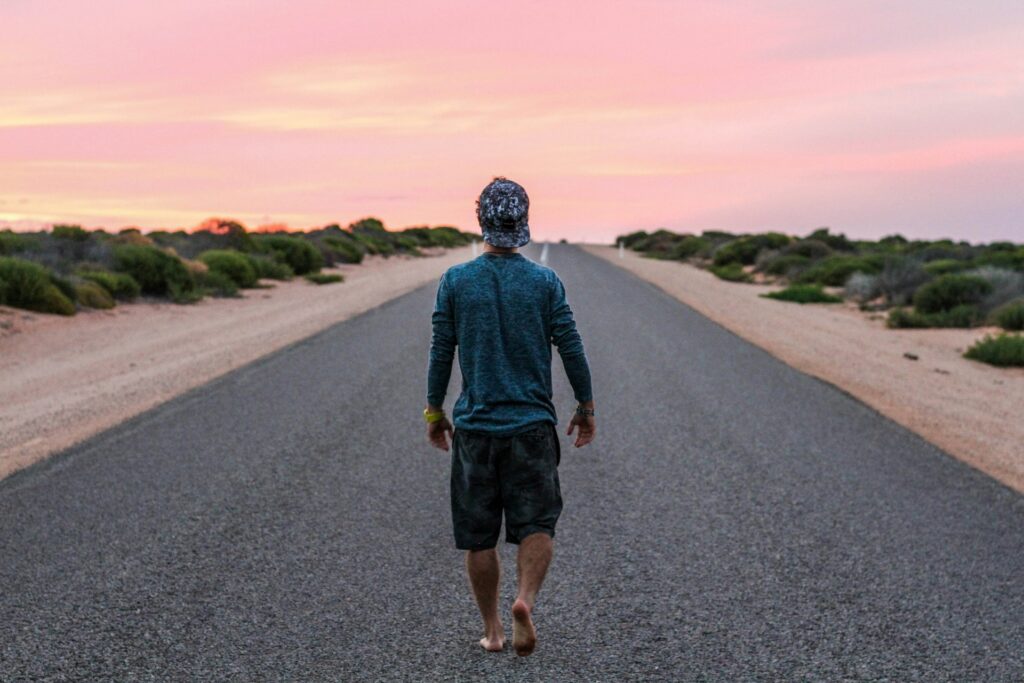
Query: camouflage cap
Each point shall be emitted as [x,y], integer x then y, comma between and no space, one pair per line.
[503,213]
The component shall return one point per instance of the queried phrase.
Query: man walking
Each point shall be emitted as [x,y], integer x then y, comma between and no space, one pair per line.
[504,312]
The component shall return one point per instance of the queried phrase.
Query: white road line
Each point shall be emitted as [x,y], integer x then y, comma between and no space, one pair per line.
[544,253]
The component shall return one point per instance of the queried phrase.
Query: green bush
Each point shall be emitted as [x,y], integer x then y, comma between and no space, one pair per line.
[121,286]
[945,266]
[689,246]
[1006,350]
[345,249]
[93,295]
[217,283]
[950,291]
[11,242]
[66,286]
[1010,316]
[324,278]
[28,285]
[833,271]
[70,232]
[232,264]
[785,264]
[632,239]
[157,272]
[808,248]
[804,294]
[301,256]
[837,242]
[960,316]
[745,249]
[733,272]
[267,268]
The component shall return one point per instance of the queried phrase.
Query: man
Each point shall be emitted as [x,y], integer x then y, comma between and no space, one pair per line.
[503,312]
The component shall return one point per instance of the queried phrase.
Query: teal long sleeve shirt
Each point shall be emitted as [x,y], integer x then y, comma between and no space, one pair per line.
[503,313]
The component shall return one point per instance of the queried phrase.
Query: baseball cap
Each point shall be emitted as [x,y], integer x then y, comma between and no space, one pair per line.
[503,213]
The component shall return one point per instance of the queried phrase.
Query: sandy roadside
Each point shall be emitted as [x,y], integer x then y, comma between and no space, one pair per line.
[971,410]
[65,379]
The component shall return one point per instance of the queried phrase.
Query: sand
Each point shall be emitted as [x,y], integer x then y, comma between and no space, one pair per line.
[65,379]
[973,411]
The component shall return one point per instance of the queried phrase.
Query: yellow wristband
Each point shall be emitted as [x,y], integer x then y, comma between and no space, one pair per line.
[432,417]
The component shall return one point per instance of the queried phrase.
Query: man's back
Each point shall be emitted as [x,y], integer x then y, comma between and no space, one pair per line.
[503,312]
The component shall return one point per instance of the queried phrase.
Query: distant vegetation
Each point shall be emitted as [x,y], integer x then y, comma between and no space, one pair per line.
[918,283]
[68,268]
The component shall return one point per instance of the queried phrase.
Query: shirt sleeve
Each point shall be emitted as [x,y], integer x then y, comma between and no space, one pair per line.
[442,346]
[570,346]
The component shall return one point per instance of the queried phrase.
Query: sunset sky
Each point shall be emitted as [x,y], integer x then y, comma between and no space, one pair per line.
[868,116]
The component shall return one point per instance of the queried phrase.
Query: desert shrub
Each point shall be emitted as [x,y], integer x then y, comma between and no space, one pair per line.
[945,266]
[66,286]
[74,233]
[838,242]
[93,295]
[834,270]
[784,264]
[217,283]
[301,256]
[121,286]
[863,287]
[950,291]
[408,244]
[733,272]
[631,239]
[660,242]
[324,278]
[1013,260]
[745,249]
[267,268]
[346,250]
[11,242]
[1010,316]
[689,246]
[808,248]
[28,285]
[960,316]
[157,272]
[231,263]
[803,294]
[1006,350]
[900,278]
[1006,284]
[223,233]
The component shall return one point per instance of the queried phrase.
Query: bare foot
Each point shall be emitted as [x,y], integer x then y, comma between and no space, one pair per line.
[524,635]
[493,644]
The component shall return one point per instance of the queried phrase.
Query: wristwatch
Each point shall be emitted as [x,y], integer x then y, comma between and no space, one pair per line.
[432,417]
[585,412]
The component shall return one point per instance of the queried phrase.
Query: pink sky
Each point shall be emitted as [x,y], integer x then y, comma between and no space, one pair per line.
[868,116]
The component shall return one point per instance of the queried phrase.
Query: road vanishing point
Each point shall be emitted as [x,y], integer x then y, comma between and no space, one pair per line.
[735,520]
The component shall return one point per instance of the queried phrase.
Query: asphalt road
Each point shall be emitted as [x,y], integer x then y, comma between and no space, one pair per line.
[735,520]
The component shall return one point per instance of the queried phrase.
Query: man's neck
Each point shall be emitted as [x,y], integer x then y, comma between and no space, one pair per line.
[491,249]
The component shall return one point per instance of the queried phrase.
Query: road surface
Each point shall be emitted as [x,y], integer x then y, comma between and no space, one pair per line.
[735,520]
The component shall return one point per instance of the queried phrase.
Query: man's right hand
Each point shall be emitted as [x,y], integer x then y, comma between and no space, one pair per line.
[438,433]
[587,426]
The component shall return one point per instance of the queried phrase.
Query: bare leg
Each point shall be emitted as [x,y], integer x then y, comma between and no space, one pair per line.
[534,558]
[484,571]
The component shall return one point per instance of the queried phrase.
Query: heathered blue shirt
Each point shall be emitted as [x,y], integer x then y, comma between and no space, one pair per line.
[503,312]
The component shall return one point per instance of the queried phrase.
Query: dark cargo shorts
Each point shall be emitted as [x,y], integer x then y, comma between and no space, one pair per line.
[517,475]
